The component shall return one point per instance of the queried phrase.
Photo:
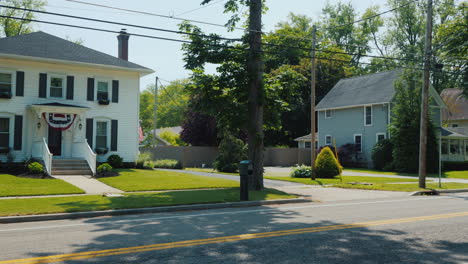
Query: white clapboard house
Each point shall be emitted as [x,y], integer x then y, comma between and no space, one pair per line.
[67,104]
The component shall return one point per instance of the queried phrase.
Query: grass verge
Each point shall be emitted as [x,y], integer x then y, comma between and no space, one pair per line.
[209,170]
[48,205]
[320,181]
[403,187]
[154,180]
[446,174]
[17,186]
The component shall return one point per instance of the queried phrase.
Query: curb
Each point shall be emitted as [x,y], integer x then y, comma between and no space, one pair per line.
[62,216]
[437,192]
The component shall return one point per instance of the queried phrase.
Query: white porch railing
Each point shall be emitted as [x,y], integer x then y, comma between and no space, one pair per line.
[83,150]
[46,156]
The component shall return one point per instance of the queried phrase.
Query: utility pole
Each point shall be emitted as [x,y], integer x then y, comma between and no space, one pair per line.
[312,100]
[155,114]
[256,93]
[425,98]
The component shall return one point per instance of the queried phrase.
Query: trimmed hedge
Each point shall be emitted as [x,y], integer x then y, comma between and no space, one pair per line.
[326,165]
[168,164]
[455,165]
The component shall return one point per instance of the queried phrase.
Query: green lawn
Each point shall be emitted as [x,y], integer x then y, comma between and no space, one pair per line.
[16,186]
[403,187]
[456,174]
[209,170]
[136,200]
[152,180]
[320,181]
[446,174]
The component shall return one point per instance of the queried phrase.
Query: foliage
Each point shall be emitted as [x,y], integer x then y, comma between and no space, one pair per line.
[231,151]
[12,27]
[348,154]
[142,158]
[173,138]
[301,171]
[199,129]
[103,168]
[148,165]
[172,105]
[168,164]
[35,168]
[405,125]
[115,161]
[382,154]
[455,166]
[326,165]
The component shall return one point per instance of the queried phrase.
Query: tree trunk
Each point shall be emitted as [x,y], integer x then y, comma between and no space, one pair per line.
[256,95]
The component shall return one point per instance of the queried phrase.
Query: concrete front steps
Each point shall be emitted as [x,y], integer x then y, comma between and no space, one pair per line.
[70,167]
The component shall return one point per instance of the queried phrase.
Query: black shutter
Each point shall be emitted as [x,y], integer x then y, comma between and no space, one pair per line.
[89,131]
[115,91]
[18,142]
[90,96]
[19,83]
[114,134]
[42,85]
[70,87]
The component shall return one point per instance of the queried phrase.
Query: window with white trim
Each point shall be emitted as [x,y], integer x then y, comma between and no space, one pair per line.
[6,83]
[102,134]
[358,142]
[328,113]
[102,90]
[4,132]
[455,146]
[368,115]
[379,137]
[56,87]
[454,125]
[328,140]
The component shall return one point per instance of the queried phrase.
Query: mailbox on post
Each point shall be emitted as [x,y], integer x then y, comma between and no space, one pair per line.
[245,170]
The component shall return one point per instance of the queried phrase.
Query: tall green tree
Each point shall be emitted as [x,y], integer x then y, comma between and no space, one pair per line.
[12,27]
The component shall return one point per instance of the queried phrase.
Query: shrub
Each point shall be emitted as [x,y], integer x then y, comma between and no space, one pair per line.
[172,138]
[115,161]
[141,160]
[348,155]
[382,154]
[326,165]
[322,147]
[231,151]
[35,168]
[168,164]
[103,168]
[455,165]
[149,165]
[301,171]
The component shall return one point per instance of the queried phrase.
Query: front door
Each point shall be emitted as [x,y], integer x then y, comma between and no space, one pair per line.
[55,141]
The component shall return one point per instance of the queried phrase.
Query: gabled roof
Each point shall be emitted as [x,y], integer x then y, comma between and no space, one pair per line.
[457,105]
[361,90]
[43,46]
[456,132]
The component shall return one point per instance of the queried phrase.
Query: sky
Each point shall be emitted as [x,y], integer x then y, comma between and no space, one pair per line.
[166,57]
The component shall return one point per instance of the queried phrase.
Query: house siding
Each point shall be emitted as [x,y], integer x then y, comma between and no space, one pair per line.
[345,123]
[125,111]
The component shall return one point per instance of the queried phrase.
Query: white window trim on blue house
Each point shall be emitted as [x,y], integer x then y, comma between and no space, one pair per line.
[326,140]
[371,115]
[329,111]
[354,138]
[377,136]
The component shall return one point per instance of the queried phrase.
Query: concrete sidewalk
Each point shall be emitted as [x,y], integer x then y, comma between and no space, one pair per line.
[87,184]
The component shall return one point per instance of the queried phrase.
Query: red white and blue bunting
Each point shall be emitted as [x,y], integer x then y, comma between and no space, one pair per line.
[59,121]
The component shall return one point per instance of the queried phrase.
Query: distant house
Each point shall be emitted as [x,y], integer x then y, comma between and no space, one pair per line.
[357,110]
[67,104]
[455,131]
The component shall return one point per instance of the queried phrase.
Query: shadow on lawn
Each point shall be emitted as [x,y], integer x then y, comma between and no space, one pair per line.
[357,245]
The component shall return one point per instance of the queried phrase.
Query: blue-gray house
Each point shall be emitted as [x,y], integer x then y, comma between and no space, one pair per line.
[357,110]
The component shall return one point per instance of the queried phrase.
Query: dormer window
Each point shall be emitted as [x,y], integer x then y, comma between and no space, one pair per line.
[56,86]
[6,83]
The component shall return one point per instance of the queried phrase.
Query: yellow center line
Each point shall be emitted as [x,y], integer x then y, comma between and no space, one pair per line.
[189,243]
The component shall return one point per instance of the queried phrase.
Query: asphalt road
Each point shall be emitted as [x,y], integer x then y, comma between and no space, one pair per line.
[394,230]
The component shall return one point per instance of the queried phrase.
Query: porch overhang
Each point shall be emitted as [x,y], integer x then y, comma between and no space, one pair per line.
[39,109]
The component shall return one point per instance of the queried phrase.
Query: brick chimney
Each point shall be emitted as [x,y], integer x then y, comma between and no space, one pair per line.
[123,44]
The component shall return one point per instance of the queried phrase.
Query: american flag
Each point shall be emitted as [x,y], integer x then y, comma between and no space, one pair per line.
[141,136]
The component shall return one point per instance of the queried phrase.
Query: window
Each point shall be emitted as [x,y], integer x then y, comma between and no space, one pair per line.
[444,146]
[368,115]
[328,140]
[56,87]
[6,83]
[101,134]
[4,132]
[102,90]
[466,147]
[328,114]
[454,125]
[455,146]
[358,142]
[307,144]
[380,136]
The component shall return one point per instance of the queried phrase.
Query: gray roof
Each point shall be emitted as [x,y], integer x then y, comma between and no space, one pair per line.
[458,132]
[361,90]
[42,45]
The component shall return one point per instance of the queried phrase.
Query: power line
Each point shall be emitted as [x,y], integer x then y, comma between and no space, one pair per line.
[115,23]
[196,9]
